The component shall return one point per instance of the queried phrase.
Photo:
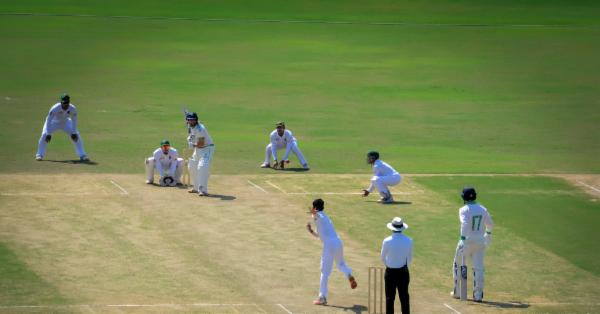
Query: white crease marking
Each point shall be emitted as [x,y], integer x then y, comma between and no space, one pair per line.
[257,186]
[123,191]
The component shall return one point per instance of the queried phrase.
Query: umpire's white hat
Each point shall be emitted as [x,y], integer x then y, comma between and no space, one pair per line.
[397,224]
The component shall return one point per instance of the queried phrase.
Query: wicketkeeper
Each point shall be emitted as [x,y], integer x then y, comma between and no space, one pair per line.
[166,160]
[474,239]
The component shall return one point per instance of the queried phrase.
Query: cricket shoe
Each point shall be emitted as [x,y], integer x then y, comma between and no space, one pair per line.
[388,199]
[265,165]
[353,283]
[478,297]
[84,158]
[193,191]
[38,157]
[452,294]
[320,301]
[149,181]
[306,167]
[202,193]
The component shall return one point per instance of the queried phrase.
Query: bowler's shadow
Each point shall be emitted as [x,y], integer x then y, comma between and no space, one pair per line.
[73,161]
[356,308]
[222,197]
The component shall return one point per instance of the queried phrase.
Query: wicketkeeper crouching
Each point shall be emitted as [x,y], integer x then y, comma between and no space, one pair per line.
[166,160]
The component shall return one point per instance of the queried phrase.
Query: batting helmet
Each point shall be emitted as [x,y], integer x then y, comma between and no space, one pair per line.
[373,154]
[191,116]
[468,194]
[65,98]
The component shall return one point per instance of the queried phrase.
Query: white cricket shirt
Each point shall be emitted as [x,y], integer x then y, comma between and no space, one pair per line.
[57,115]
[396,250]
[199,131]
[474,221]
[382,169]
[162,160]
[325,229]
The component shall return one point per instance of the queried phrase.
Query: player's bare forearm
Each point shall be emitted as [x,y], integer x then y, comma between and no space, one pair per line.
[200,143]
[311,231]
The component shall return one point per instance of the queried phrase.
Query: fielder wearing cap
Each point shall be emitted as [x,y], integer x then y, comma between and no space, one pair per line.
[62,116]
[166,160]
[333,250]
[281,138]
[475,235]
[383,177]
[204,148]
[396,255]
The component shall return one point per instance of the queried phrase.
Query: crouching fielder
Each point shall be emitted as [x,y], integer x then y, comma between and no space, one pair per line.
[333,250]
[281,138]
[383,177]
[166,160]
[474,239]
[199,164]
[62,116]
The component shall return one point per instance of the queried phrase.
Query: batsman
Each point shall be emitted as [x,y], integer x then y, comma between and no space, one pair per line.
[199,164]
[475,235]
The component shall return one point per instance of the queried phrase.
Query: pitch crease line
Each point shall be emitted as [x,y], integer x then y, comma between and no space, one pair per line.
[123,191]
[284,308]
[275,186]
[455,311]
[257,186]
[589,186]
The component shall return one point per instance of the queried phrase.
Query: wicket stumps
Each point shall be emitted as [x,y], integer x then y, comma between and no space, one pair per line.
[186,174]
[376,291]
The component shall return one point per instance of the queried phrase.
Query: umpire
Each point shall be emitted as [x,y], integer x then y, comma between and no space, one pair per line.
[396,254]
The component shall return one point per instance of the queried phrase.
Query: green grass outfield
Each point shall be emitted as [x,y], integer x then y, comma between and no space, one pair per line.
[431,99]
[463,87]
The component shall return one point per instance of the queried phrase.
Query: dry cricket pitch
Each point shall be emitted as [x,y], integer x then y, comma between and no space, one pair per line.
[110,243]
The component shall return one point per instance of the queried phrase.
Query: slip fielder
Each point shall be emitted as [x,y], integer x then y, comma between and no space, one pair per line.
[166,160]
[199,164]
[475,235]
[62,116]
[383,177]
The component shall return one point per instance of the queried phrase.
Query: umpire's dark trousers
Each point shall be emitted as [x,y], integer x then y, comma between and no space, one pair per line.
[397,278]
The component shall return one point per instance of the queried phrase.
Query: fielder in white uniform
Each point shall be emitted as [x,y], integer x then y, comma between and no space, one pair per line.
[333,250]
[62,116]
[199,164]
[475,235]
[281,138]
[383,177]
[166,160]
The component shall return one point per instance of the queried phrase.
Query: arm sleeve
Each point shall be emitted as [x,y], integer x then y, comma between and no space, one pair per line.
[74,120]
[410,254]
[371,186]
[175,155]
[157,163]
[464,224]
[288,147]
[47,123]
[273,147]
[489,223]
[383,252]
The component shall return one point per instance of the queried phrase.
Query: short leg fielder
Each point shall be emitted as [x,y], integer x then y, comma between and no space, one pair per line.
[151,166]
[67,128]
[330,254]
[294,148]
[381,183]
[199,168]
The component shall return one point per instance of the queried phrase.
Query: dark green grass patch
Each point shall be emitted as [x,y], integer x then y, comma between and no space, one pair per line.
[19,285]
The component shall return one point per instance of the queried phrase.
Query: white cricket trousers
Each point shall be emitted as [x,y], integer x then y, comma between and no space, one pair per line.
[474,248]
[382,183]
[333,251]
[295,150]
[151,166]
[199,168]
[67,128]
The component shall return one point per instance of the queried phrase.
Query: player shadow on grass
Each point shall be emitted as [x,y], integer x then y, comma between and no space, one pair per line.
[505,305]
[73,161]
[292,169]
[392,203]
[356,308]
[222,197]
